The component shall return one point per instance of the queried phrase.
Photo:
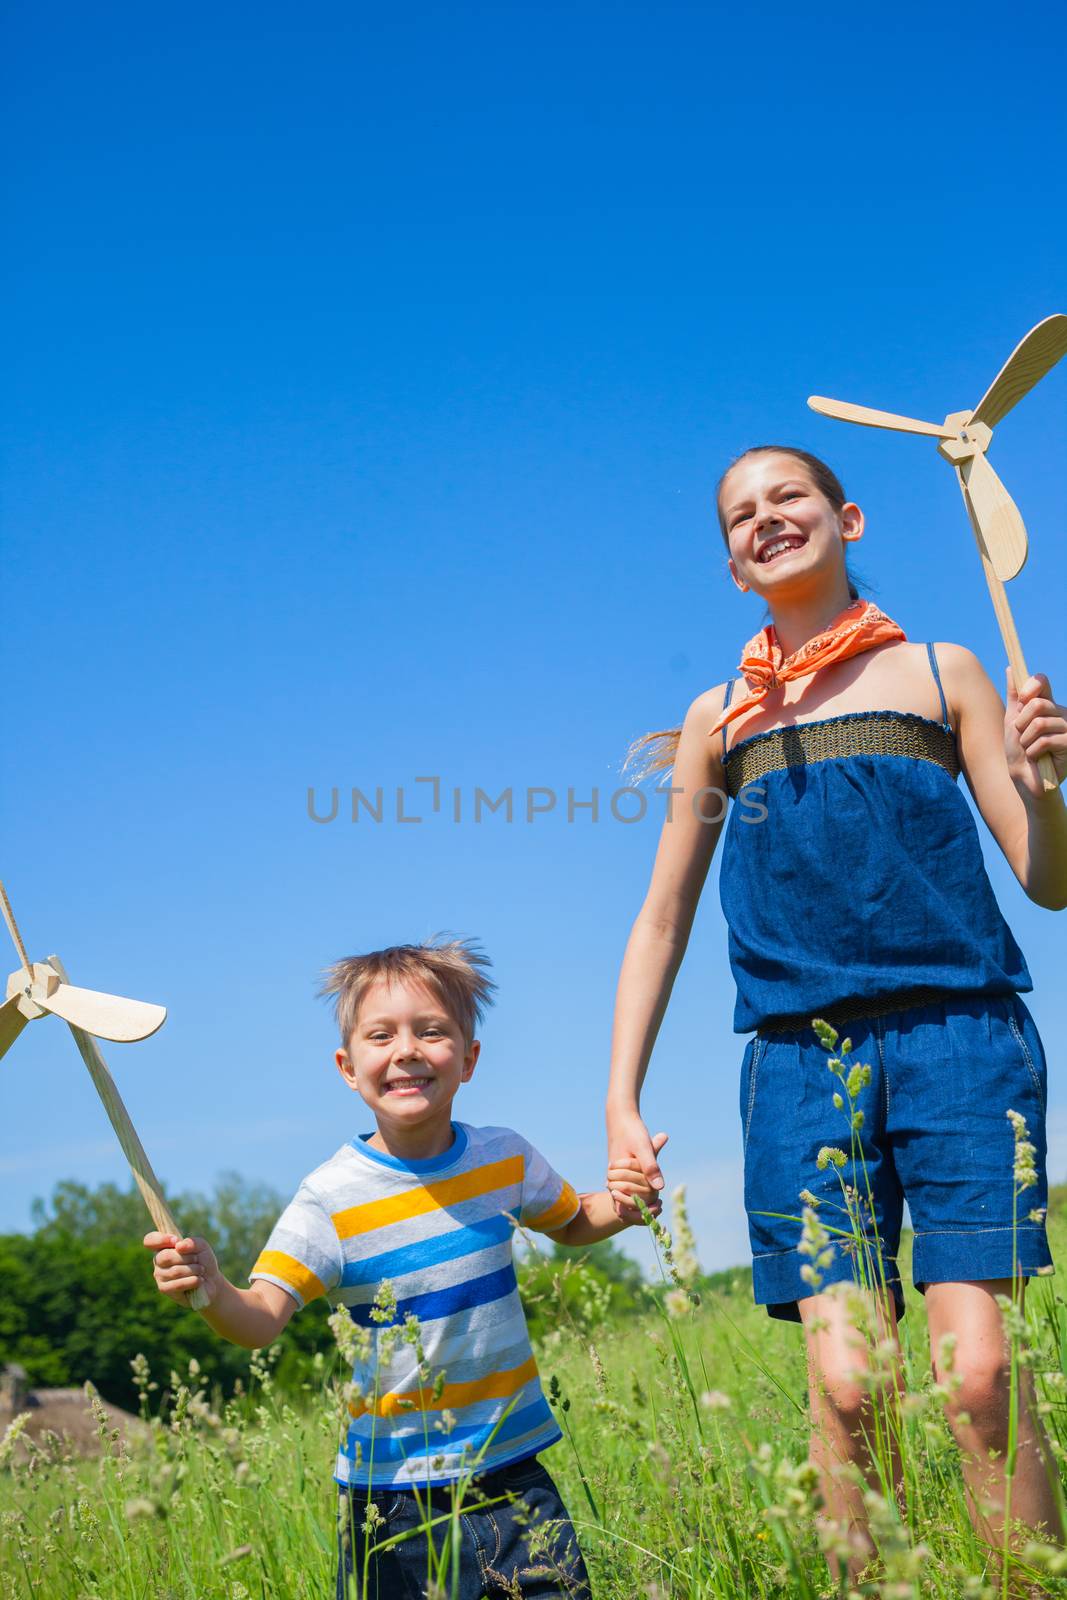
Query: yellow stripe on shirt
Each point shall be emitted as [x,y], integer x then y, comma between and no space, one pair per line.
[428,1197]
[276,1264]
[497,1386]
[558,1215]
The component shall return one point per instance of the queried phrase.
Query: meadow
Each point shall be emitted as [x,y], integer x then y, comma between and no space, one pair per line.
[683,1461]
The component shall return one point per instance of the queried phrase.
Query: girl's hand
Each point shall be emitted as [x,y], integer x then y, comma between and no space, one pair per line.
[625,1180]
[630,1146]
[182,1265]
[1034,725]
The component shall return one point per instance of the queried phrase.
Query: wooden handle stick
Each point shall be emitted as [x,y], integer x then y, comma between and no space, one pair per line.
[13,930]
[132,1148]
[1006,622]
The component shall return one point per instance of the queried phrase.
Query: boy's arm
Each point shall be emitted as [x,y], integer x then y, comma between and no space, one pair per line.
[595,1220]
[250,1317]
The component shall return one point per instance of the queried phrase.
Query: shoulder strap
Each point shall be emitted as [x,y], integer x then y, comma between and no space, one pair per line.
[930,651]
[725,703]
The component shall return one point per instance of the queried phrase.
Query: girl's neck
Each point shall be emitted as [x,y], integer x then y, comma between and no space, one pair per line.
[797,621]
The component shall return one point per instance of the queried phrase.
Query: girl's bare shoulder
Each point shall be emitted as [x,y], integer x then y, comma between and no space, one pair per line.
[961,671]
[956,656]
[705,710]
[966,684]
[913,655]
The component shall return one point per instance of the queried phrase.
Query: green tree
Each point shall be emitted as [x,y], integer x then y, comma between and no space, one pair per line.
[80,1301]
[592,1285]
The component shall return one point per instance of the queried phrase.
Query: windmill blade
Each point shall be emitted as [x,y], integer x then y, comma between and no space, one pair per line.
[846,412]
[997,515]
[107,1016]
[12,1023]
[1032,357]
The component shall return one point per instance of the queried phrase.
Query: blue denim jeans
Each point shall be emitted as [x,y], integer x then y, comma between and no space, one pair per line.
[935,1134]
[522,1544]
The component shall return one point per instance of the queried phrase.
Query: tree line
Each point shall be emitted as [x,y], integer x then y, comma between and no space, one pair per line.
[80,1302]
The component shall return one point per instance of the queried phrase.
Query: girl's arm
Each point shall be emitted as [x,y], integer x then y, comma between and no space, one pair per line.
[596,1220]
[661,932]
[998,752]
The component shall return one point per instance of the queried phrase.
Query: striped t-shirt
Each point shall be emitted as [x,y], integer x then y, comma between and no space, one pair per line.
[441,1231]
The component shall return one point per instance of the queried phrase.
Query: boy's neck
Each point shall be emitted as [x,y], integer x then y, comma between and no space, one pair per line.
[420,1143]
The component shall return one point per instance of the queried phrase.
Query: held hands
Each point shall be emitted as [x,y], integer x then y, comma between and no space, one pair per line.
[635,1173]
[1034,725]
[182,1265]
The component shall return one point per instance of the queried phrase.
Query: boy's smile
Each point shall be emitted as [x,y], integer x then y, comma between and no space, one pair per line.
[406,1058]
[409,1084]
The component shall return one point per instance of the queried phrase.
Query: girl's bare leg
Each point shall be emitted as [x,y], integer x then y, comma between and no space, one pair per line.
[978,1412]
[843,1411]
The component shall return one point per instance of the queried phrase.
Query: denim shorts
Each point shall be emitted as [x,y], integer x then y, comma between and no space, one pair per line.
[935,1134]
[497,1555]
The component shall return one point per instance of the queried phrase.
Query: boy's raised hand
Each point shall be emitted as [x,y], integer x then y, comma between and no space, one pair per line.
[627,1180]
[182,1265]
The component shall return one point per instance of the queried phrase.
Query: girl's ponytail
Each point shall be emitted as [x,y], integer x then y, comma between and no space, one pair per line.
[660,750]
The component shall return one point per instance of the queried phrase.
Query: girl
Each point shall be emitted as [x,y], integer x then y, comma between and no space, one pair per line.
[854,890]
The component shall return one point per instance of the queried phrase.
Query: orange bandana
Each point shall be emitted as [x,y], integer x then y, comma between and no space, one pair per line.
[859,627]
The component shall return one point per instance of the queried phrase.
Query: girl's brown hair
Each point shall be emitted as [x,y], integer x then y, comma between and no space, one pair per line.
[661,748]
[822,476]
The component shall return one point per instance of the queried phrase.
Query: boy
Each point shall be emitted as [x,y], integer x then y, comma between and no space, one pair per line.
[416,1220]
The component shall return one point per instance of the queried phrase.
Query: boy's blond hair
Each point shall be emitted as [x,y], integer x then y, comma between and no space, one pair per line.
[455,970]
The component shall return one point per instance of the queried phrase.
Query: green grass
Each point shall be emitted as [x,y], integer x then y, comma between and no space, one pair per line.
[687,1434]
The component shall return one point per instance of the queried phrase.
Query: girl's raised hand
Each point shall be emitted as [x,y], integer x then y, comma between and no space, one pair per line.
[1034,725]
[182,1265]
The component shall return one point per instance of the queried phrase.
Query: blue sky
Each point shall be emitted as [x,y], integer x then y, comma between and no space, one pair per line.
[371,371]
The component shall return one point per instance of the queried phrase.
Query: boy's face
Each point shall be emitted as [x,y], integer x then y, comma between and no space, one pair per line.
[406,1056]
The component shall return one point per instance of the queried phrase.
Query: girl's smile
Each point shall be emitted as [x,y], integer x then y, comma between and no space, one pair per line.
[780,546]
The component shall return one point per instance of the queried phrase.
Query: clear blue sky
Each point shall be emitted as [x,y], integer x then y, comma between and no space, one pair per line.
[369,373]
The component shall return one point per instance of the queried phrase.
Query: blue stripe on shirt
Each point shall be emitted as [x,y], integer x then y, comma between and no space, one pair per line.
[428,1252]
[442,1302]
[401,1447]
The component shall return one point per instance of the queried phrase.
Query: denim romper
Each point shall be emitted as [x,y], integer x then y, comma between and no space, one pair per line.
[854,889]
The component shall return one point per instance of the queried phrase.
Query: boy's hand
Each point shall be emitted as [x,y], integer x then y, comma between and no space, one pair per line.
[626,1179]
[182,1265]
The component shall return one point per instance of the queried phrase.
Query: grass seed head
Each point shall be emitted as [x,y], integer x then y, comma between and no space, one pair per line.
[715,1400]
[1024,1172]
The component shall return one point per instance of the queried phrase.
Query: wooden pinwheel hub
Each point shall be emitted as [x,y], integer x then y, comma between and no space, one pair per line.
[972,440]
[43,984]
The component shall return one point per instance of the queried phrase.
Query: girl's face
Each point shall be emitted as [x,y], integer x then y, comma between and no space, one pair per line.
[785,537]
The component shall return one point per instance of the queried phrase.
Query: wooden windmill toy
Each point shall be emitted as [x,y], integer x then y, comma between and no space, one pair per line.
[40,988]
[965,437]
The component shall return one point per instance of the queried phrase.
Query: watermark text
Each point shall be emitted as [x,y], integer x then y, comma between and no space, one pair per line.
[408,805]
